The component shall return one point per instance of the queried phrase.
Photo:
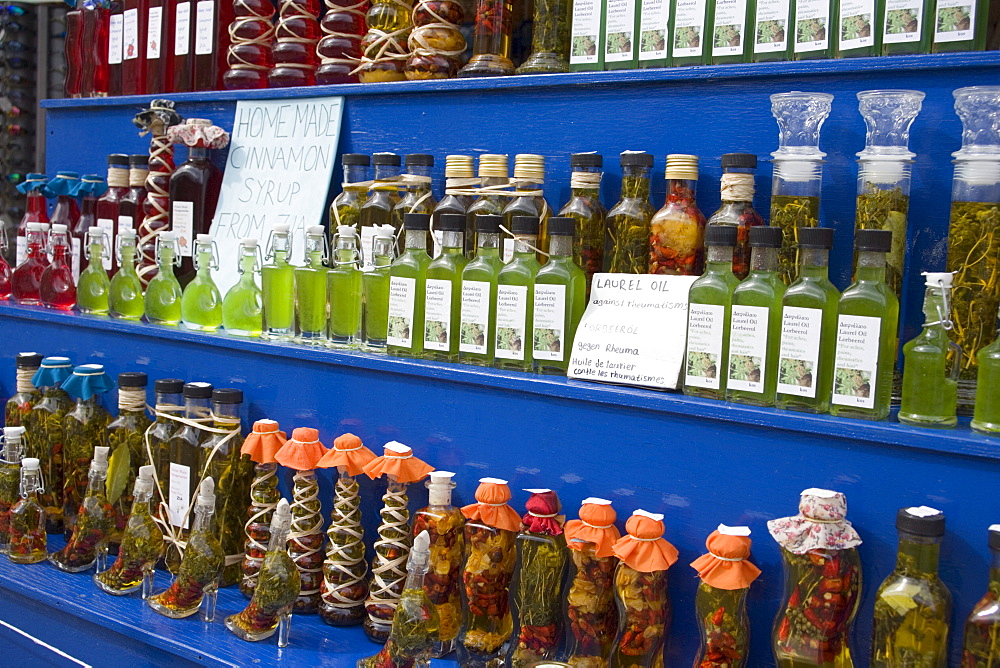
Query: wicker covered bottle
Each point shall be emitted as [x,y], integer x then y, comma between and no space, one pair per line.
[260,445]
[339,51]
[251,37]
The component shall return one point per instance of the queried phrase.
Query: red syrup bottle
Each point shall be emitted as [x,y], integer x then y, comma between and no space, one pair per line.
[27,277]
[130,212]
[73,50]
[91,187]
[116,36]
[67,212]
[294,52]
[5,270]
[107,205]
[133,69]
[340,51]
[96,20]
[180,47]
[158,47]
[36,210]
[211,43]
[251,40]
[57,289]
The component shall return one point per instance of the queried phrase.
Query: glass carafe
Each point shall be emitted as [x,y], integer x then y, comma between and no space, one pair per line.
[163,294]
[56,287]
[242,308]
[201,303]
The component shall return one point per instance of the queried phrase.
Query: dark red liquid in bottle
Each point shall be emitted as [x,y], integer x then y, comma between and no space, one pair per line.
[27,277]
[4,279]
[197,181]
[67,212]
[294,52]
[134,48]
[116,34]
[88,219]
[249,57]
[95,47]
[211,43]
[158,47]
[181,46]
[340,50]
[73,49]
[57,288]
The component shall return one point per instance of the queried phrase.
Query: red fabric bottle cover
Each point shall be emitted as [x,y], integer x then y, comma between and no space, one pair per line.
[543,512]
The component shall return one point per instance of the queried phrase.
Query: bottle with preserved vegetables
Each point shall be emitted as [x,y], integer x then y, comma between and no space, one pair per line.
[141,545]
[375,283]
[243,305]
[407,284]
[169,403]
[384,49]
[124,436]
[26,280]
[277,280]
[494,178]
[491,40]
[44,439]
[252,37]
[311,300]
[417,194]
[260,445]
[296,36]
[162,301]
[490,555]
[443,294]
[28,540]
[721,601]
[346,206]
[56,287]
[477,331]
[584,206]
[560,296]
[737,206]
[93,291]
[981,641]
[344,587]
[626,246]
[822,583]
[528,200]
[459,178]
[201,302]
[383,195]
[641,592]
[26,395]
[986,418]
[549,38]
[798,171]
[436,43]
[87,546]
[10,479]
[339,50]
[125,297]
[677,231]
[516,299]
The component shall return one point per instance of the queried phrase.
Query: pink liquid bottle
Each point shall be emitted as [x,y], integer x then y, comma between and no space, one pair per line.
[36,210]
[251,39]
[67,212]
[211,43]
[91,187]
[133,68]
[5,269]
[294,52]
[73,49]
[96,26]
[57,289]
[107,205]
[26,280]
[340,51]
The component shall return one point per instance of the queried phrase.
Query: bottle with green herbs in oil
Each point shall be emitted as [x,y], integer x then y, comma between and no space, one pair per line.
[375,290]
[549,38]
[809,328]
[125,298]
[277,280]
[163,294]
[459,177]
[28,540]
[243,307]
[443,296]
[584,206]
[26,395]
[755,324]
[912,605]
[417,194]
[494,177]
[169,402]
[92,290]
[477,335]
[344,288]
[626,246]
[141,545]
[529,176]
[124,436]
[201,303]
[346,207]
[515,299]
[311,300]
[737,189]
[45,437]
[710,301]
[560,300]
[407,284]
[382,196]
[87,546]
[981,641]
[986,418]
[10,479]
[867,318]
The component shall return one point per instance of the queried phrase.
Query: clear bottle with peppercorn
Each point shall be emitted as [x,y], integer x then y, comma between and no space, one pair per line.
[737,206]
[584,206]
[260,445]
[95,520]
[677,231]
[491,40]
[339,50]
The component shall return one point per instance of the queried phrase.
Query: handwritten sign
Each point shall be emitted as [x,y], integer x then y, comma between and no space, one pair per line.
[634,331]
[281,158]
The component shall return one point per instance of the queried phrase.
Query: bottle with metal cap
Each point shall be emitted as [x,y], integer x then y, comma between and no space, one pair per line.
[677,231]
[477,331]
[87,546]
[515,299]
[418,196]
[986,418]
[311,303]
[10,478]
[27,541]
[375,290]
[981,642]
[82,428]
[201,303]
[94,288]
[560,299]
[930,392]
[407,284]
[494,177]
[242,307]
[346,206]
[443,297]
[584,206]
[459,177]
[128,451]
[163,294]
[26,395]
[277,280]
[912,605]
[867,321]
[125,291]
[529,200]
[626,247]
[383,195]
[344,288]
[737,189]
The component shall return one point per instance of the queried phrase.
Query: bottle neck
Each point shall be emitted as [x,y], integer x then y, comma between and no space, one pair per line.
[88,206]
[12,450]
[203,514]
[523,245]
[247,264]
[719,257]
[37,206]
[681,191]
[995,573]
[527,186]
[488,241]
[934,307]
[493,180]
[424,184]
[279,539]
[204,259]
[280,249]
[197,409]
[165,258]
[31,483]
[355,174]
[96,478]
[197,153]
[416,240]
[225,416]
[918,556]
[96,252]
[386,173]
[452,240]
[635,183]
[871,266]
[383,251]
[560,245]
[168,403]
[764,259]
[415,579]
[140,506]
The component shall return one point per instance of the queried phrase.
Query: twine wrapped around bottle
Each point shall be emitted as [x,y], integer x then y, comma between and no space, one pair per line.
[643,548]
[436,43]
[260,445]
[383,50]
[727,565]
[246,22]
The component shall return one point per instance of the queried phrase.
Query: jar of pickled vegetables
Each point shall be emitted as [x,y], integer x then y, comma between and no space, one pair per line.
[677,231]
[737,190]
[626,246]
[436,43]
[491,40]
[384,48]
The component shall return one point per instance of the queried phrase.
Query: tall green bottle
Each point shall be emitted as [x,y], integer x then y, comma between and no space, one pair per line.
[201,304]
[242,307]
[477,331]
[755,327]
[515,298]
[311,303]
[277,280]
[163,294]
[560,300]
[986,419]
[344,285]
[125,293]
[93,288]
[375,289]
[443,296]
[407,285]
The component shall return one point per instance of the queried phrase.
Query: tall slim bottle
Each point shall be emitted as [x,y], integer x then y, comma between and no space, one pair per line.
[158,47]
[515,299]
[375,290]
[626,245]
[418,195]
[560,300]
[493,177]
[407,285]
[87,546]
[443,298]
[478,318]
[529,177]
[383,195]
[584,206]
[459,176]
[179,48]
[107,205]
[346,206]
[344,288]
[133,67]
[986,418]
[980,648]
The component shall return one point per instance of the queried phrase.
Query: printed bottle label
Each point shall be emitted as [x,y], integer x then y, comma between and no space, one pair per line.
[108,225]
[180,494]
[204,33]
[115,36]
[729,29]
[475,327]
[812,25]
[747,348]
[22,250]
[619,40]
[182,29]
[855,373]
[706,325]
[507,253]
[856,25]
[689,28]
[549,331]
[75,255]
[798,361]
[182,223]
[771,29]
[512,315]
[586,32]
[367,247]
[131,34]
[654,20]
[401,297]
[125,223]
[437,315]
[955,21]
[153,29]
[903,21]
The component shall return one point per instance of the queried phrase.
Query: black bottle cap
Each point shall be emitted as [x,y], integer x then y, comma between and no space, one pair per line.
[451,222]
[138,160]
[524,225]
[355,159]
[879,241]
[168,386]
[118,160]
[227,395]
[931,526]
[765,237]
[721,235]
[995,537]
[197,390]
[416,221]
[586,160]
[488,223]
[562,226]
[742,160]
[133,379]
[28,360]
[386,159]
[419,160]
[816,237]
[636,159]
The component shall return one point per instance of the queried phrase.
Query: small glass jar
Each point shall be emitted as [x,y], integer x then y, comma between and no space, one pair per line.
[436,42]
[491,40]
[384,49]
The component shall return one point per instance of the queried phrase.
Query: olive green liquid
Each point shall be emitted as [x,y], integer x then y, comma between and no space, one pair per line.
[484,205]
[512,333]
[93,287]
[242,307]
[789,213]
[378,208]
[201,304]
[344,284]
[125,291]
[930,394]
[412,264]
[479,282]
[530,205]
[440,336]
[375,286]
[184,448]
[714,288]
[416,199]
[311,299]
[588,245]
[278,283]
[986,419]
[560,270]
[626,248]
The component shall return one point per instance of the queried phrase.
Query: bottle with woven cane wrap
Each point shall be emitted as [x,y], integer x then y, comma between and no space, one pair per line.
[260,445]
[295,38]
[249,54]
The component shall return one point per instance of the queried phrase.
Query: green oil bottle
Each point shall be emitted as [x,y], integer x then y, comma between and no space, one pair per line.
[344,287]
[560,300]
[310,290]
[163,294]
[242,307]
[986,419]
[278,282]
[407,284]
[93,289]
[375,289]
[125,291]
[443,296]
[382,197]
[418,196]
[515,298]
[346,207]
[201,304]
[477,332]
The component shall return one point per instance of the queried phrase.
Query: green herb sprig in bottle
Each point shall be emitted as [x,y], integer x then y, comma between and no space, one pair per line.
[584,206]
[125,438]
[93,288]
[26,395]
[344,287]
[626,248]
[515,298]
[201,303]
[277,279]
[560,299]
[140,546]
[346,207]
[163,294]
[45,437]
[375,289]
[443,297]
[407,283]
[10,479]
[477,336]
[242,307]
[95,520]
[125,296]
[382,196]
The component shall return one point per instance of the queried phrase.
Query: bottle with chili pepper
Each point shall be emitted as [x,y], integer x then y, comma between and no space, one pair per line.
[822,582]
[737,206]
[677,231]
[584,206]
[44,438]
[491,40]
[95,520]
[626,246]
[10,479]
[981,643]
[27,539]
[720,603]
[260,445]
[436,43]
[27,395]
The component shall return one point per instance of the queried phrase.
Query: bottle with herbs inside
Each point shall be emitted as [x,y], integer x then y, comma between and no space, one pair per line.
[912,605]
[27,541]
[459,178]
[491,40]
[529,200]
[384,50]
[296,35]
[26,395]
[981,641]
[677,231]
[418,196]
[346,206]
[494,178]
[822,582]
[260,445]
[87,546]
[549,38]
[436,43]
[168,403]
[584,206]
[10,479]
[641,592]
[726,575]
[124,436]
[737,191]
[986,417]
[626,246]
[45,437]
[277,281]
[339,50]
[383,195]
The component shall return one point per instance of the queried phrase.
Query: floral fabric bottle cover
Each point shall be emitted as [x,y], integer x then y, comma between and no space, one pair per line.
[822,582]
[260,445]
[296,36]
[251,37]
[339,51]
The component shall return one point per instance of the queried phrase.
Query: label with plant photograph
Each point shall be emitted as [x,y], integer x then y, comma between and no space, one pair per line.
[619,28]
[401,296]
[955,20]
[855,369]
[729,27]
[653,23]
[812,20]
[475,317]
[706,323]
[586,32]
[549,335]
[771,30]
[798,359]
[689,28]
[747,348]
[903,21]
[857,18]
[512,317]
[437,315]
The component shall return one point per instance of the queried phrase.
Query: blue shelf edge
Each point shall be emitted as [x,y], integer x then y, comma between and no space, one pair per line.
[615,77]
[960,441]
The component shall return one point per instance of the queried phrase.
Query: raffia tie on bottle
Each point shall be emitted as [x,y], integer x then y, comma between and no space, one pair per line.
[385,46]
[418,40]
[24,384]
[737,187]
[338,556]
[388,575]
[306,522]
[355,10]
[290,9]
[261,514]
[585,180]
[234,60]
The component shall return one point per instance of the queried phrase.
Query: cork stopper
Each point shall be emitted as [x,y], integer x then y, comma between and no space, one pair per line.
[458,167]
[682,166]
[529,167]
[493,166]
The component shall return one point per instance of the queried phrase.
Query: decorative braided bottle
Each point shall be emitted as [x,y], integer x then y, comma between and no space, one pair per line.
[261,445]
[251,37]
[339,51]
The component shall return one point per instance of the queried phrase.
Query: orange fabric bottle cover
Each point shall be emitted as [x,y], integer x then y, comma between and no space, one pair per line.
[349,452]
[726,566]
[543,512]
[302,451]
[596,525]
[644,549]
[264,442]
[492,510]
[399,462]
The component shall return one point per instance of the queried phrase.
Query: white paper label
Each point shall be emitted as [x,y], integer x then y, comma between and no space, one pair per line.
[857,18]
[955,20]
[619,27]
[771,29]
[549,330]
[476,307]
[512,317]
[180,494]
[22,250]
[689,28]
[402,292]
[855,370]
[125,223]
[812,23]
[729,29]
[130,31]
[654,20]
[153,29]
[368,247]
[182,223]
[204,32]
[507,254]
[182,29]
[75,257]
[747,348]
[903,21]
[115,39]
[108,225]
[586,32]
[798,360]
[705,330]
[437,315]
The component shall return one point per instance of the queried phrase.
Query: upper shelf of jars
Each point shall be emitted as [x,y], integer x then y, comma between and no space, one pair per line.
[707,73]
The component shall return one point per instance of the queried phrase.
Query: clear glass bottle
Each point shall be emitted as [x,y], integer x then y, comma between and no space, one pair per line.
[10,479]
[443,295]
[26,395]
[677,231]
[375,290]
[384,47]
[67,212]
[407,287]
[980,644]
[163,294]
[418,195]
[5,269]
[125,296]
[344,287]
[560,297]
[28,540]
[912,605]
[107,205]
[458,177]
[90,188]
[584,206]
[737,191]
[26,280]
[626,246]
[45,438]
[550,34]
[491,40]
[986,417]
[201,302]
[242,307]
[346,206]
[477,329]
[529,200]
[515,299]
[798,170]
[87,547]
[383,195]
[56,288]
[311,302]
[437,45]
[125,436]
[277,280]
[493,177]
[94,288]
[141,545]
[169,401]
